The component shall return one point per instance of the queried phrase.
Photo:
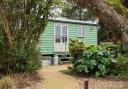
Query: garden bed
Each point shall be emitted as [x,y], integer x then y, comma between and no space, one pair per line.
[109,82]
[103,83]
[26,81]
[22,81]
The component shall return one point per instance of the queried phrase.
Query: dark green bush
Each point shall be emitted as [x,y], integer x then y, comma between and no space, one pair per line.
[114,49]
[99,60]
[76,49]
[120,67]
[26,60]
[94,61]
[21,59]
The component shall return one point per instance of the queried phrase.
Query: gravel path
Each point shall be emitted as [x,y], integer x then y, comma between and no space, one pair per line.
[53,79]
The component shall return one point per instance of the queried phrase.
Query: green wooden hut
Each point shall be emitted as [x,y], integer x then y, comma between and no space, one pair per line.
[55,39]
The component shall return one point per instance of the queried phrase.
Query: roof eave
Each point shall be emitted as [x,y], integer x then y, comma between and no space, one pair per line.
[81,23]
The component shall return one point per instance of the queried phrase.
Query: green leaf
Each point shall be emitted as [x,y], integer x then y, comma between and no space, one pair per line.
[86,69]
[97,74]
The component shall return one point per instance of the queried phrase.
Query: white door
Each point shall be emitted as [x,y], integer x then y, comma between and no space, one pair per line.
[60,38]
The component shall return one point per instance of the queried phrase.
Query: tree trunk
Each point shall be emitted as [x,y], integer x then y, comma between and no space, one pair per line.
[5,29]
[108,15]
[80,13]
[125,40]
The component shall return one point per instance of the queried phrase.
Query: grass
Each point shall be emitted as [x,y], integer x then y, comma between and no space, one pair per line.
[7,83]
[26,80]
[21,81]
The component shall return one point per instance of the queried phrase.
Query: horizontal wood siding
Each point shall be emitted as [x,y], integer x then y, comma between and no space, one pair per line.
[90,35]
[72,31]
[47,37]
[46,43]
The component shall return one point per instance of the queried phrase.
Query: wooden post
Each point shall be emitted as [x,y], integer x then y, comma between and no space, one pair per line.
[86,84]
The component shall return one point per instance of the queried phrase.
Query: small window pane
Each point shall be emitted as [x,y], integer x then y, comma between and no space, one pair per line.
[57,34]
[80,31]
[57,39]
[64,34]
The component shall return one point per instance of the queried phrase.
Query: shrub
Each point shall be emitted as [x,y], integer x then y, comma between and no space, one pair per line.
[7,83]
[120,67]
[114,49]
[22,58]
[25,60]
[121,59]
[106,45]
[94,61]
[76,49]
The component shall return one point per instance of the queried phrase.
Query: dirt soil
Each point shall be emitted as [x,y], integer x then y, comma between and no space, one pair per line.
[27,81]
[103,83]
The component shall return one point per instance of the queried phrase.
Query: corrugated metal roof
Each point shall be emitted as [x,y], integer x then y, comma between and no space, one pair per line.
[74,21]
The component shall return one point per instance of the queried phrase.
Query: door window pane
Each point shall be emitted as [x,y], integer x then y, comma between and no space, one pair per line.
[64,34]
[57,34]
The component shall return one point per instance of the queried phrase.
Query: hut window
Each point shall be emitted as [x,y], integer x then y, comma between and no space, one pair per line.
[80,31]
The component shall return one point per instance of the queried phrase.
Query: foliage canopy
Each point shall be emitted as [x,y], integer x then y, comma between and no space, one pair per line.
[21,23]
[118,6]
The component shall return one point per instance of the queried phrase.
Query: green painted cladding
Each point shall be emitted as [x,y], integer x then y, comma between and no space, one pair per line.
[46,43]
[47,37]
[90,34]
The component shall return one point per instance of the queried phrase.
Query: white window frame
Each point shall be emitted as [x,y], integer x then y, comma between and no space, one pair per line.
[82,31]
[61,25]
[55,33]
